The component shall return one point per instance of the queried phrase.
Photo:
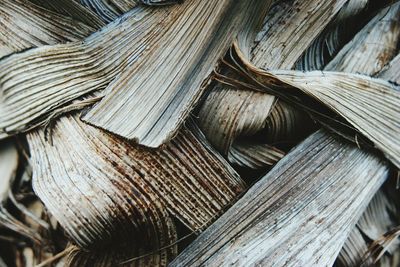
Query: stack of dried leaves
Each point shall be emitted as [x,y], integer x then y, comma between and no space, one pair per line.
[199,133]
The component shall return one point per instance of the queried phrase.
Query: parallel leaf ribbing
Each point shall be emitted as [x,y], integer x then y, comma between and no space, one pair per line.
[24,25]
[109,10]
[36,82]
[230,113]
[371,106]
[376,44]
[73,9]
[151,98]
[299,214]
[157,43]
[90,176]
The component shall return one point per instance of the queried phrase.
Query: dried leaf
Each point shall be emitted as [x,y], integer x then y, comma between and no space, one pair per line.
[178,64]
[375,45]
[299,214]
[25,25]
[369,106]
[73,9]
[109,10]
[141,35]
[228,114]
[391,71]
[88,175]
[8,167]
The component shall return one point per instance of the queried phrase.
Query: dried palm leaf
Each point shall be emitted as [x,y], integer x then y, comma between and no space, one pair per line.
[281,49]
[365,105]
[335,35]
[391,71]
[299,214]
[88,175]
[376,220]
[109,10]
[98,197]
[230,113]
[120,256]
[24,25]
[73,9]
[254,155]
[8,168]
[353,250]
[91,66]
[286,124]
[178,66]
[376,43]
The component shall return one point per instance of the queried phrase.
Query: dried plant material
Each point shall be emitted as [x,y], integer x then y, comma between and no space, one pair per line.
[181,59]
[8,167]
[254,155]
[33,83]
[334,36]
[379,247]
[377,218]
[391,72]
[353,250]
[73,9]
[281,49]
[128,255]
[24,25]
[376,221]
[114,184]
[109,10]
[299,214]
[90,65]
[369,106]
[228,114]
[287,124]
[375,45]
[351,8]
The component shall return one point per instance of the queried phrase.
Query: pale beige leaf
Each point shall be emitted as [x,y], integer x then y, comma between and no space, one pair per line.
[299,214]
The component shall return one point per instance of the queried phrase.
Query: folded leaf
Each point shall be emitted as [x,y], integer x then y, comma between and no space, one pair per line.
[163,86]
[91,176]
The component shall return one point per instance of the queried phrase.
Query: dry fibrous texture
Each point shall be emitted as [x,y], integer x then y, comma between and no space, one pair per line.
[24,25]
[8,167]
[38,81]
[140,39]
[254,155]
[281,49]
[73,9]
[109,10]
[334,36]
[347,103]
[373,47]
[8,170]
[353,250]
[229,113]
[88,175]
[299,214]
[391,72]
[286,124]
[117,256]
[184,56]
[378,219]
